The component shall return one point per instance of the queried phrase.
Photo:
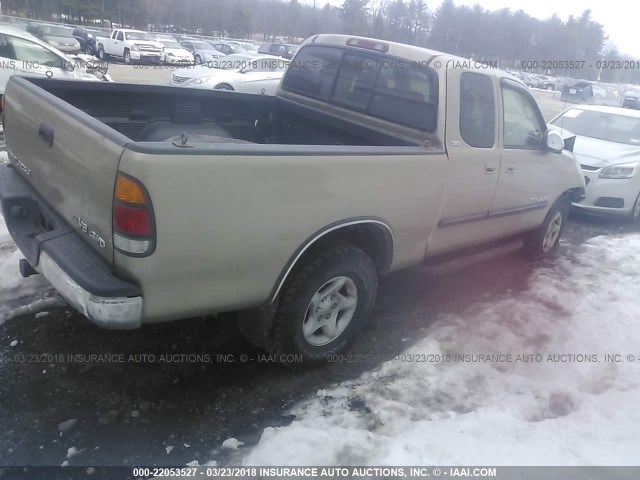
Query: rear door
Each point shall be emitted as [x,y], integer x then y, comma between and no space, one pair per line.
[474,159]
[70,158]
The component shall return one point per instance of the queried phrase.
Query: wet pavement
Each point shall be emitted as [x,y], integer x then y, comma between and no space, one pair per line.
[169,394]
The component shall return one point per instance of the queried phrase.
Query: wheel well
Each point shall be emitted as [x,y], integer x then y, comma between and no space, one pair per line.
[374,237]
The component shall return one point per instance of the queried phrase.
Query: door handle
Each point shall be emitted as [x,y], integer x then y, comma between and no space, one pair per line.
[511,169]
[489,170]
[46,134]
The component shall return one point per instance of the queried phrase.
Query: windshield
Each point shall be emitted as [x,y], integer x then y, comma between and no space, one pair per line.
[54,31]
[202,46]
[601,125]
[170,44]
[138,36]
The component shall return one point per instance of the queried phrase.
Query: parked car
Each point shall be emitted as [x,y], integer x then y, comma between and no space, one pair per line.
[23,54]
[577,92]
[87,38]
[631,98]
[174,54]
[549,83]
[255,74]
[246,46]
[278,49]
[607,145]
[228,48]
[131,46]
[285,209]
[213,67]
[55,35]
[202,51]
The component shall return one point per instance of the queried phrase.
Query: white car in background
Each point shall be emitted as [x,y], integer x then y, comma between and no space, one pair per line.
[174,54]
[23,54]
[607,146]
[259,74]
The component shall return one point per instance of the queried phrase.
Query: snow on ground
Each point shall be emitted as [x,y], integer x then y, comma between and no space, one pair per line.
[15,291]
[568,412]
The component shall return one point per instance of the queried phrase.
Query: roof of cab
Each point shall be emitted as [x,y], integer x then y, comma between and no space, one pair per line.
[413,53]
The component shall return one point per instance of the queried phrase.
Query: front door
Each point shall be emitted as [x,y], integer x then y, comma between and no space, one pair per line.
[522,197]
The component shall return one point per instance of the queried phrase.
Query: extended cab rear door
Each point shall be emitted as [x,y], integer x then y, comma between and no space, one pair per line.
[474,158]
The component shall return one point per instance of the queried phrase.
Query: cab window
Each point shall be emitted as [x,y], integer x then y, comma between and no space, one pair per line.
[477,110]
[523,123]
[120,36]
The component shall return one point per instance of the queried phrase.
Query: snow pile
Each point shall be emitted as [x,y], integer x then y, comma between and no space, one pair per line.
[576,410]
[15,291]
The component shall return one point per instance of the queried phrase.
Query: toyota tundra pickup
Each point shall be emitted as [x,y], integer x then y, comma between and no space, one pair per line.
[143,204]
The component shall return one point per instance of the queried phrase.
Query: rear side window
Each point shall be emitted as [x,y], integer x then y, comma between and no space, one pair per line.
[406,95]
[120,36]
[383,87]
[477,110]
[313,72]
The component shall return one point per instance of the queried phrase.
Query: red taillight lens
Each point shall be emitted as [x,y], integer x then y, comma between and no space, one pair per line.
[132,221]
[134,229]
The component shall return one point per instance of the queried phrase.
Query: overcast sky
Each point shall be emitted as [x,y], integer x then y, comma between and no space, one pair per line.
[619,17]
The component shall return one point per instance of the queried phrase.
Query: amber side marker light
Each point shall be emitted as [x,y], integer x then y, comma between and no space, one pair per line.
[134,231]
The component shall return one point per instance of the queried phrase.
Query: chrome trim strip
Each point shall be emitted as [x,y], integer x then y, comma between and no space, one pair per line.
[521,209]
[450,222]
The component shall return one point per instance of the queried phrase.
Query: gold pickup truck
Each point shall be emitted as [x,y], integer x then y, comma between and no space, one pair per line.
[143,203]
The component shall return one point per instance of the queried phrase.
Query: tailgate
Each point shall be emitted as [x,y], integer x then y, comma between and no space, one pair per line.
[68,157]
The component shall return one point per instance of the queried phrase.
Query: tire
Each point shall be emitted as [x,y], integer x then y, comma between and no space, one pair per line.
[340,282]
[198,60]
[102,55]
[544,240]
[224,86]
[127,56]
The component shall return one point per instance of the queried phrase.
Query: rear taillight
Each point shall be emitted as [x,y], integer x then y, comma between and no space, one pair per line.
[134,231]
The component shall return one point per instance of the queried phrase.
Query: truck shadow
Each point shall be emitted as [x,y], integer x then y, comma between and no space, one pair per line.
[171,393]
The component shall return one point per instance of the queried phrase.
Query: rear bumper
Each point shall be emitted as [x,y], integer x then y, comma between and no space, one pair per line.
[79,274]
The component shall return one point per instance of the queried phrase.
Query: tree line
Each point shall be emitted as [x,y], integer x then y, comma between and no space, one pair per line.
[512,38]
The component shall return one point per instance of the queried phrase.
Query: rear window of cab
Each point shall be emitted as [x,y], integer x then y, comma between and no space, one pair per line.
[381,86]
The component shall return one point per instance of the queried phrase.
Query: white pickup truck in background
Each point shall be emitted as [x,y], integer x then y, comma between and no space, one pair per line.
[131,46]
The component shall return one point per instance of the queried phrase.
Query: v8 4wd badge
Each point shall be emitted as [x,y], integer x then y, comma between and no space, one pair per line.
[93,235]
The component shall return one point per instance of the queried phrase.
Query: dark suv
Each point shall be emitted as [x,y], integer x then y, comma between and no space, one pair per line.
[278,49]
[87,38]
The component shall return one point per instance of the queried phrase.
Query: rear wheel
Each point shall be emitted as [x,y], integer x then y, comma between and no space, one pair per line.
[324,304]
[127,57]
[102,55]
[545,239]
[198,60]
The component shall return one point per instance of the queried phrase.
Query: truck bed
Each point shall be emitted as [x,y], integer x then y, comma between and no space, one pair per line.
[145,113]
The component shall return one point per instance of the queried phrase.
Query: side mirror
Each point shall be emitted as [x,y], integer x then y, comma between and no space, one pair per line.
[555,143]
[68,66]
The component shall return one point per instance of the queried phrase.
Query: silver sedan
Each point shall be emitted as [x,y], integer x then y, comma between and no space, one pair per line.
[607,145]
